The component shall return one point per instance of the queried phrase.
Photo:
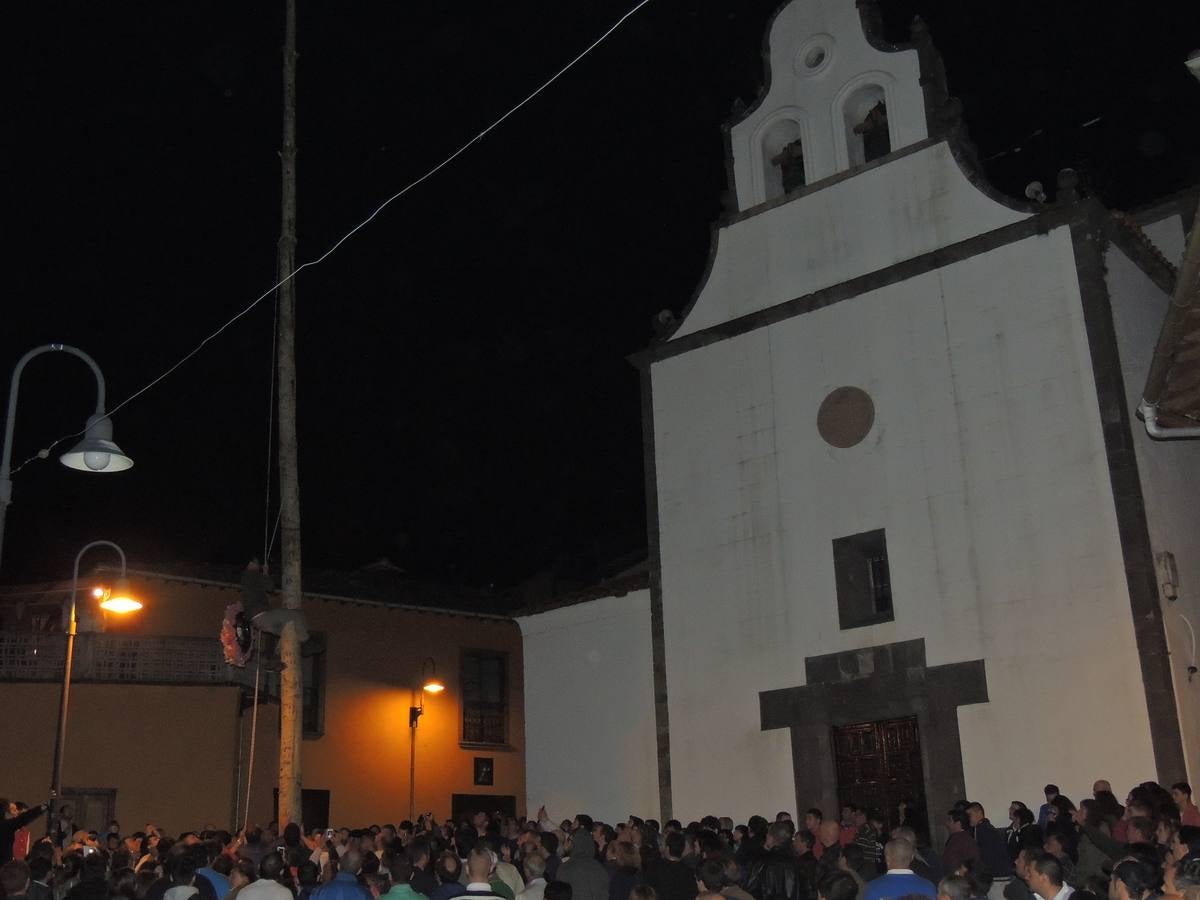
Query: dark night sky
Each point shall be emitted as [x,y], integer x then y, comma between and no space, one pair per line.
[465,404]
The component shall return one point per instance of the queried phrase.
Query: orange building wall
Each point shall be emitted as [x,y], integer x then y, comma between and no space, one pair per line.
[373,660]
[169,751]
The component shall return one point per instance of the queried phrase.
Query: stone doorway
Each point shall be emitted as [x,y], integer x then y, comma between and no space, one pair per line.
[878,764]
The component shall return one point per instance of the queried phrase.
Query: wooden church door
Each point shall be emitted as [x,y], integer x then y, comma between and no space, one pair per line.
[879,764]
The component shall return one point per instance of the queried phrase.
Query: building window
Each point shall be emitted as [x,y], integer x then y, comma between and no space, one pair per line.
[484,710]
[864,581]
[313,663]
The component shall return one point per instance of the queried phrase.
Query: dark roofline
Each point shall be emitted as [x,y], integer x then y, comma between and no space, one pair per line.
[612,587]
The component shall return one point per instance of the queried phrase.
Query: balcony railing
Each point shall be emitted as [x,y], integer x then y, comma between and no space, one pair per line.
[31,656]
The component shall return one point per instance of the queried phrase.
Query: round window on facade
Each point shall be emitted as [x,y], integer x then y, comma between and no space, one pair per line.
[813,55]
[845,417]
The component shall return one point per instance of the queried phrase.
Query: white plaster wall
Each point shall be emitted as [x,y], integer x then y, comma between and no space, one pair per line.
[872,220]
[986,466]
[1167,234]
[814,97]
[1170,477]
[589,710]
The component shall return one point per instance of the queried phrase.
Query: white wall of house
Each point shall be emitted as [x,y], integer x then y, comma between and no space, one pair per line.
[985,465]
[1170,477]
[589,709]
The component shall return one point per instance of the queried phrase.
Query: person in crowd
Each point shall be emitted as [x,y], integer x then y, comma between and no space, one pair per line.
[837,885]
[401,874]
[993,851]
[479,872]
[1189,813]
[1055,847]
[587,877]
[960,845]
[779,873]
[869,839]
[15,879]
[954,887]
[535,877]
[40,867]
[345,885]
[802,844]
[13,821]
[1050,791]
[1045,877]
[899,880]
[626,872]
[448,870]
[1134,878]
[670,877]
[828,849]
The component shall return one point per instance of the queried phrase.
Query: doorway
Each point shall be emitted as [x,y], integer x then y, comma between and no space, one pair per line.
[314,808]
[93,808]
[879,764]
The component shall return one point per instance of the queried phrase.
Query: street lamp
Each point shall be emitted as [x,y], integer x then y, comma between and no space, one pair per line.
[120,600]
[95,453]
[430,684]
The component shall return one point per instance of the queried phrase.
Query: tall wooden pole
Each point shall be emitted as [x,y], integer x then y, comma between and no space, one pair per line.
[291,679]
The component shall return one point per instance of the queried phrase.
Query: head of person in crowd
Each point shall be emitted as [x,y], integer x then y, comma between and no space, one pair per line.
[954,887]
[448,868]
[479,866]
[837,886]
[1133,878]
[898,854]
[1044,875]
[956,821]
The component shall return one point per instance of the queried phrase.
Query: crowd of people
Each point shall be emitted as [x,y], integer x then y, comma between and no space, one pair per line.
[1144,849]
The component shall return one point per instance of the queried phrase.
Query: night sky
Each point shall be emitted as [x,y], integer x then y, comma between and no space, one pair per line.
[466,409]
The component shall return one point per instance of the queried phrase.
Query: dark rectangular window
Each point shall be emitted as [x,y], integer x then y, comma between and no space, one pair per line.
[484,692]
[864,581]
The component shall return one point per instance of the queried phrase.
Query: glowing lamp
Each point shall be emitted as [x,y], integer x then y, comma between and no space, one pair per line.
[433,685]
[97,452]
[119,599]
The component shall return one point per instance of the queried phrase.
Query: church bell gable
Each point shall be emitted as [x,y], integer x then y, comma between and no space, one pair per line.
[836,98]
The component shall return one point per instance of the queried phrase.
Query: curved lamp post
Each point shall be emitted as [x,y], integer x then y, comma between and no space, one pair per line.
[117,600]
[430,684]
[95,453]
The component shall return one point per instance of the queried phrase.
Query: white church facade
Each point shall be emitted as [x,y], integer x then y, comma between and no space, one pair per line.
[903,519]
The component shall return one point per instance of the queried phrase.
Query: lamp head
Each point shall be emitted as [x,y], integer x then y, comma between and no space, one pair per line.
[433,685]
[96,452]
[119,599]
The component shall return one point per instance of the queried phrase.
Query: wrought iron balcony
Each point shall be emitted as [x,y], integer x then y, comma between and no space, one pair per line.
[33,656]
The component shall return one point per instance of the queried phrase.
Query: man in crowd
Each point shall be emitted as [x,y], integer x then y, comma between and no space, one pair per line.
[479,869]
[960,845]
[1189,813]
[993,850]
[670,877]
[1045,878]
[588,878]
[535,877]
[899,880]
[13,822]
[779,873]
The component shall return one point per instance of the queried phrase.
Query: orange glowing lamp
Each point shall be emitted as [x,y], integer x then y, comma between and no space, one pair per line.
[119,599]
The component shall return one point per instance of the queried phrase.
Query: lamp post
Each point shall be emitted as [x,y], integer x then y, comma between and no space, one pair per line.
[430,684]
[95,453]
[118,600]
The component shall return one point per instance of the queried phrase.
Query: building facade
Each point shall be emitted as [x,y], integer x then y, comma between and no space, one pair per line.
[903,520]
[162,730]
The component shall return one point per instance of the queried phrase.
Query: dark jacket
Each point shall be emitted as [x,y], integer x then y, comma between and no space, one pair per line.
[781,874]
[1018,839]
[621,882]
[993,851]
[828,863]
[960,847]
[809,865]
[671,880]
[588,879]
